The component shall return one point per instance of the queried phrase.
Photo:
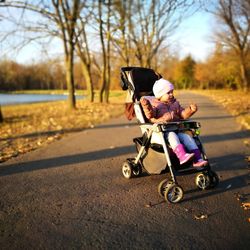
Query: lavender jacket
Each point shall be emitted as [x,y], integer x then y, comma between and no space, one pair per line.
[158,112]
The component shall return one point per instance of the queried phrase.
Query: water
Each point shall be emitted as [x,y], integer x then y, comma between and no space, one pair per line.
[11,99]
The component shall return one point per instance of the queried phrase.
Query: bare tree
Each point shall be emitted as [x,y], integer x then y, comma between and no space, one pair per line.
[67,13]
[105,45]
[58,19]
[235,33]
[122,42]
[145,26]
[84,54]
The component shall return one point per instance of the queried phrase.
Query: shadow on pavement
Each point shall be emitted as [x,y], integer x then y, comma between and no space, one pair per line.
[64,160]
[243,134]
[62,131]
[234,183]
[223,163]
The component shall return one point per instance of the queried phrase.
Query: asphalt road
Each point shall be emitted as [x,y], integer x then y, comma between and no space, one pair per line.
[72,195]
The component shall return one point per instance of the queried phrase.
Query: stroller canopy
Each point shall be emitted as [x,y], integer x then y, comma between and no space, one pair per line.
[142,79]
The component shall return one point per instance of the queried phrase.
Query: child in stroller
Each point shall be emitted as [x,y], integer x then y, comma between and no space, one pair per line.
[165,108]
[155,153]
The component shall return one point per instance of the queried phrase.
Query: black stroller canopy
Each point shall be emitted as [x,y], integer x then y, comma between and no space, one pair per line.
[143,79]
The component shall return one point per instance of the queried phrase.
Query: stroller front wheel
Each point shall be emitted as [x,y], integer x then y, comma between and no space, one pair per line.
[173,193]
[127,169]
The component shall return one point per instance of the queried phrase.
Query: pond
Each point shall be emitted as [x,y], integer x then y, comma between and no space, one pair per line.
[12,99]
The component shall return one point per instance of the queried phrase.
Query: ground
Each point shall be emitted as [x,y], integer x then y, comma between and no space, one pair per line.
[27,127]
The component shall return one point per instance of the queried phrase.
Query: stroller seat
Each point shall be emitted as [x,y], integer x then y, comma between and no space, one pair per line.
[154,154]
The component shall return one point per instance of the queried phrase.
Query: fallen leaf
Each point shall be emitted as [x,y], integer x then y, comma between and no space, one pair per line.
[201,217]
[247,158]
[239,197]
[246,142]
[246,205]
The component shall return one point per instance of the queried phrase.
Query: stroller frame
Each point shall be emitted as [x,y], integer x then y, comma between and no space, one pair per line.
[139,82]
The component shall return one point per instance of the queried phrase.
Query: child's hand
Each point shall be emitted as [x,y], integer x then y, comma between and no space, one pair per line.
[193,107]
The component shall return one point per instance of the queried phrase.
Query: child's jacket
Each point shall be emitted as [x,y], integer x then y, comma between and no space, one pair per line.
[158,112]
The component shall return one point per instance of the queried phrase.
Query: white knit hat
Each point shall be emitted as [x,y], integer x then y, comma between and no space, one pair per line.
[161,87]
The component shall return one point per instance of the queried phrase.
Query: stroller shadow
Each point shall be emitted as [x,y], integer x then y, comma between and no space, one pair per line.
[222,165]
[230,184]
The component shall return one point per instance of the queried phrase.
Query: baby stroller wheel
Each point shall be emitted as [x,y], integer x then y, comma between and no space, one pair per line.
[137,170]
[214,179]
[173,193]
[127,169]
[202,181]
[163,185]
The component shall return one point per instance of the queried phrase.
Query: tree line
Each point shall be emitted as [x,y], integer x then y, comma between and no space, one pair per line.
[99,37]
[220,70]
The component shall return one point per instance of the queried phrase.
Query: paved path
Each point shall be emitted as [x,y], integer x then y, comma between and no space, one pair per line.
[72,195]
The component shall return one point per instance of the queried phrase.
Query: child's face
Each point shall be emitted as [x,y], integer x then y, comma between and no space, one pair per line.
[168,96]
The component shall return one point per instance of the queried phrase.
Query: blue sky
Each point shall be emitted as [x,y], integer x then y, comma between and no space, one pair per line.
[193,37]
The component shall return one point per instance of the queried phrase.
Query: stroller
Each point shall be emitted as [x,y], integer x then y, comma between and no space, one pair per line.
[154,154]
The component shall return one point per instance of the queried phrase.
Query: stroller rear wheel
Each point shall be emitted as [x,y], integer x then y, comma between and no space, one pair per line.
[137,169]
[173,193]
[163,185]
[202,181]
[214,179]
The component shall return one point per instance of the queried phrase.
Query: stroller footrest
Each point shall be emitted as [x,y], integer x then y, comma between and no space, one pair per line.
[190,170]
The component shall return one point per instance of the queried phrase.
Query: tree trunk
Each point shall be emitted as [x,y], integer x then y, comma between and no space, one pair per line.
[70,81]
[1,115]
[244,76]
[104,68]
[89,83]
[108,77]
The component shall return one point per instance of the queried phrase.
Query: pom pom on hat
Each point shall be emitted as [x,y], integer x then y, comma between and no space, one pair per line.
[161,87]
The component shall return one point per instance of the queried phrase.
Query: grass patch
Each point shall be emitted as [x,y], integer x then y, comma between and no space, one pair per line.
[237,103]
[29,126]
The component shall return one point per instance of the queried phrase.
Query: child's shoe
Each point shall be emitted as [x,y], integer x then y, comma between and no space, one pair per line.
[182,155]
[198,161]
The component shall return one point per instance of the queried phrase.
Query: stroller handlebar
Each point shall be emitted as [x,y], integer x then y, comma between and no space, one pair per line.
[180,125]
[173,126]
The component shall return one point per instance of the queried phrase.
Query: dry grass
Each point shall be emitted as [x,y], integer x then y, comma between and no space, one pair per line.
[27,127]
[236,102]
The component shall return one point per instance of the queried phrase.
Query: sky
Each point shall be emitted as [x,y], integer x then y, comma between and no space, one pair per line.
[193,37]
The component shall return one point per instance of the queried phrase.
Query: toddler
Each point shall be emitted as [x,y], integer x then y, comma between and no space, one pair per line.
[165,108]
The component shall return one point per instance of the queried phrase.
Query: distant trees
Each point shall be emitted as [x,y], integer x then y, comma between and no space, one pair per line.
[131,30]
[57,18]
[234,17]
[184,73]
[99,37]
[43,75]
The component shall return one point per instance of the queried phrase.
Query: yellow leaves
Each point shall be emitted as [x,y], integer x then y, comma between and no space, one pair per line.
[27,127]
[236,102]
[246,205]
